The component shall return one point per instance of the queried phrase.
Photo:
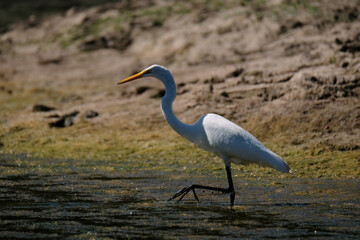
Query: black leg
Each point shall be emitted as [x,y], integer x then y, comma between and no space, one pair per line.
[231,186]
[192,188]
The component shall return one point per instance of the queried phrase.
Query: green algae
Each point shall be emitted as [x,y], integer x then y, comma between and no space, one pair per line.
[143,149]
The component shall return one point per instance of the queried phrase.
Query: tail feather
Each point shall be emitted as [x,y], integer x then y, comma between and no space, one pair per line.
[280,164]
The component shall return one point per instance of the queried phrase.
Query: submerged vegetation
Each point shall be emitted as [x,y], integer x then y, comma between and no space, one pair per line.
[60,198]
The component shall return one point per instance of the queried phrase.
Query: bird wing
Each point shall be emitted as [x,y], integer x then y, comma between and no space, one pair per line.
[226,139]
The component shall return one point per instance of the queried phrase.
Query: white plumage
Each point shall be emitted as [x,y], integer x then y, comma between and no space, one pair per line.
[226,139]
[215,134]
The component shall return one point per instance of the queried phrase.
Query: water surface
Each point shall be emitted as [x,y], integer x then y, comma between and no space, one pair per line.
[72,200]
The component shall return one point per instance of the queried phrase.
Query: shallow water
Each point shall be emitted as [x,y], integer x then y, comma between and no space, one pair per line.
[77,201]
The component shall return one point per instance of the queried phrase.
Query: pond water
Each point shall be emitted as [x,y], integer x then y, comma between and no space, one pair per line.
[81,203]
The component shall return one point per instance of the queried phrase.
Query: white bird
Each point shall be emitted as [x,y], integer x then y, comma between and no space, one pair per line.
[213,133]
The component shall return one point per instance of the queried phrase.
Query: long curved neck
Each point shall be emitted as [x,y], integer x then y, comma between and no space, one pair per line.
[183,129]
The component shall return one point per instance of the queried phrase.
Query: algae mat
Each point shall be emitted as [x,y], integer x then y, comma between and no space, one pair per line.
[85,200]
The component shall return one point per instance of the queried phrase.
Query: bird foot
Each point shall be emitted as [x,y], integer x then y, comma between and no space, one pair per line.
[183,192]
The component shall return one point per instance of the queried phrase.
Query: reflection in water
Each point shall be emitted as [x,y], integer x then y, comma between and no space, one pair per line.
[84,203]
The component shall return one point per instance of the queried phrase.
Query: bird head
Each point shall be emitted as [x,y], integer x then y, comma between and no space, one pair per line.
[152,71]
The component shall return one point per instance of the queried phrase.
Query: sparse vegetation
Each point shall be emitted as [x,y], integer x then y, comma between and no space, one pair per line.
[162,149]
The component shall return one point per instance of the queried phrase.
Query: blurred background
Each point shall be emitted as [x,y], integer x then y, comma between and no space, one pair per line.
[13,11]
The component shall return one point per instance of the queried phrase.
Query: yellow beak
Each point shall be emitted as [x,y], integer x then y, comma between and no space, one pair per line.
[134,77]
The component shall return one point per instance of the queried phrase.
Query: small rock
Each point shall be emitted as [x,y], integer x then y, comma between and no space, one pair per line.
[42,108]
[141,89]
[181,85]
[236,73]
[91,114]
[66,120]
[297,24]
[53,116]
[159,94]
[224,94]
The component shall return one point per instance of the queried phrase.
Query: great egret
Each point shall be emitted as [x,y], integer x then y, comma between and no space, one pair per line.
[213,133]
